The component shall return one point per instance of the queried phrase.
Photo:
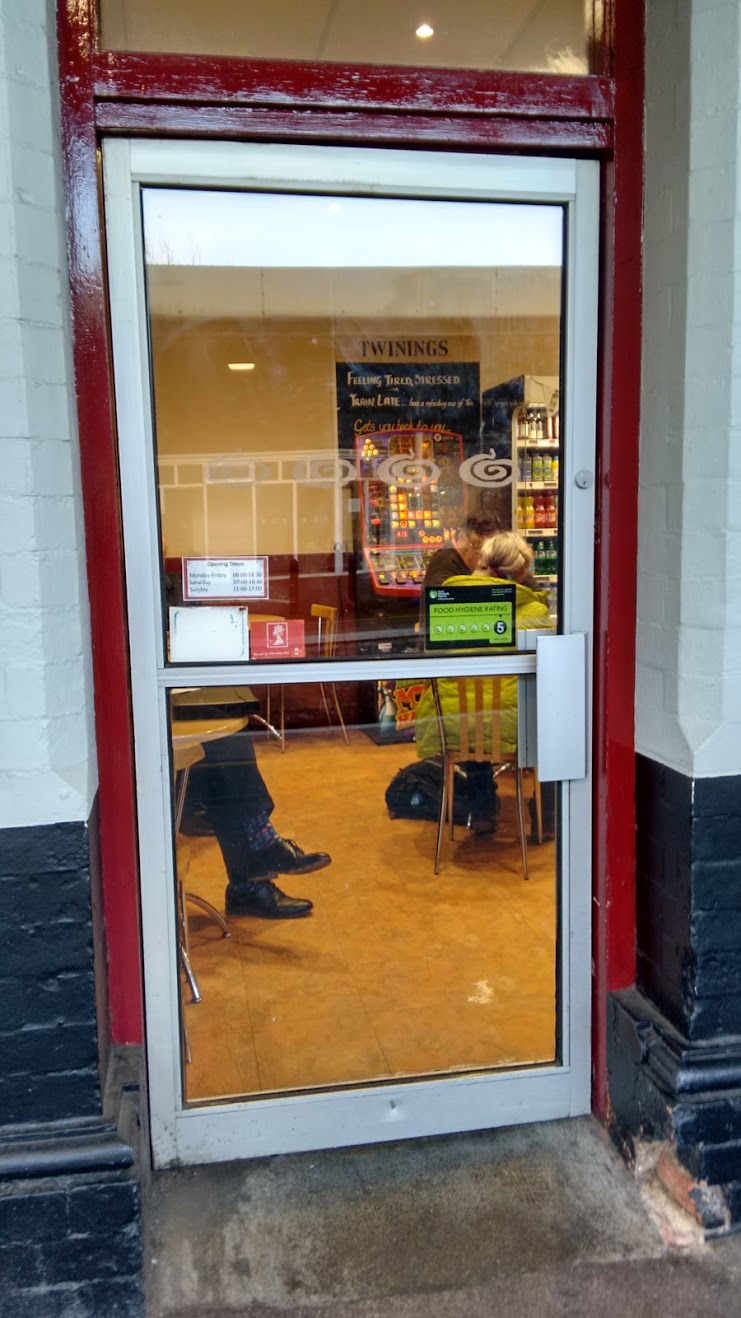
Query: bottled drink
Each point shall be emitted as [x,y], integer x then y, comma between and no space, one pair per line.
[529,513]
[537,466]
[547,467]
[554,468]
[540,513]
[521,519]
[527,467]
[532,424]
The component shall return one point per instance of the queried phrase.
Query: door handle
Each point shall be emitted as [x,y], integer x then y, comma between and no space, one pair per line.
[561,706]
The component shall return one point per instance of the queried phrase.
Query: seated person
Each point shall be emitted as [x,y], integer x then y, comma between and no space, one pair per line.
[505,556]
[457,558]
[228,787]
[462,554]
[229,790]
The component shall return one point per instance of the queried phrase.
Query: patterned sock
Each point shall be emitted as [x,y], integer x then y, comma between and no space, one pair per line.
[260,832]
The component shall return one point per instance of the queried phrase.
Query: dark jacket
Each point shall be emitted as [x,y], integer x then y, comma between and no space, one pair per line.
[445,563]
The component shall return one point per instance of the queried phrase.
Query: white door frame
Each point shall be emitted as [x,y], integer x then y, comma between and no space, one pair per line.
[260,1126]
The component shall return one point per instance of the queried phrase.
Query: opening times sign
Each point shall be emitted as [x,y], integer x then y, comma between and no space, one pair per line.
[399,394]
[225,578]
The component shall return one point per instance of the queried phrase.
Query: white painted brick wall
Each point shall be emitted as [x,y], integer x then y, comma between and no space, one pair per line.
[688,682]
[47,758]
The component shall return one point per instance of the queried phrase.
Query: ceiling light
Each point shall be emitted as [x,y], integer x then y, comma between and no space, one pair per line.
[424,31]
[241,366]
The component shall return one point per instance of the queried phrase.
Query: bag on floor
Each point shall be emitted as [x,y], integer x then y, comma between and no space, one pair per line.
[414,792]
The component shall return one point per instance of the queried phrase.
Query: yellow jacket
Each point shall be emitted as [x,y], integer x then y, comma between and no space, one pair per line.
[531,612]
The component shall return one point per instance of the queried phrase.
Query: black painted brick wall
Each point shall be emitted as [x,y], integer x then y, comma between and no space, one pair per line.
[48,1042]
[688,894]
[663,884]
[71,1246]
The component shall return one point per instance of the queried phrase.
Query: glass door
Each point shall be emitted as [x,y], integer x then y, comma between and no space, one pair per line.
[356,413]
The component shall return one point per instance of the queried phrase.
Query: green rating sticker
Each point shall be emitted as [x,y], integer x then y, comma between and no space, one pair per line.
[470,617]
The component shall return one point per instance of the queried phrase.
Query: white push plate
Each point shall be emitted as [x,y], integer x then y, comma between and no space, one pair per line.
[561,701]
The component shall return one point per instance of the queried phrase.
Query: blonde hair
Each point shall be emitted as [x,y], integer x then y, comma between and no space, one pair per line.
[506,554]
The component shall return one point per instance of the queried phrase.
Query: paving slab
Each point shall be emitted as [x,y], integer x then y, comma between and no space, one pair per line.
[528,1220]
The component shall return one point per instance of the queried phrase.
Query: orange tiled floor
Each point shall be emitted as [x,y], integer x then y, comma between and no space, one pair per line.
[397,971]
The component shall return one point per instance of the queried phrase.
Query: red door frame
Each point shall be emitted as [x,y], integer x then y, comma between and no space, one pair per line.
[105,93]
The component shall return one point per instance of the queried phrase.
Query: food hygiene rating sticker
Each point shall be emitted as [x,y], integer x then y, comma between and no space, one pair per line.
[470,617]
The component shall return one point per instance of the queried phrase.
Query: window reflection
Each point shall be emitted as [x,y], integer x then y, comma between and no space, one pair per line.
[539,35]
[392,417]
[370,938]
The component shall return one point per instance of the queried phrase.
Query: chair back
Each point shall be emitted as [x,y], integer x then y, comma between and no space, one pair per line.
[478,715]
[327,617]
[264,617]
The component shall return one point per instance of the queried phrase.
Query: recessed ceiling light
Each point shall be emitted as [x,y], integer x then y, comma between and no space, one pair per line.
[241,366]
[424,31]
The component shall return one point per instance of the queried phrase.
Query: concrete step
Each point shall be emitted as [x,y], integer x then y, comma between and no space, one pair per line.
[533,1220]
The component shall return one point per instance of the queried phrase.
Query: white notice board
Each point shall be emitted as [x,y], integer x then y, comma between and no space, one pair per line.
[206,633]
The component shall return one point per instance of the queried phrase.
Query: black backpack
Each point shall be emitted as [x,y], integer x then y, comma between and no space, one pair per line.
[414,792]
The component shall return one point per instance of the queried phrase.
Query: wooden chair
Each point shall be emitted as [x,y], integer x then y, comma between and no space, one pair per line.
[479,719]
[328,618]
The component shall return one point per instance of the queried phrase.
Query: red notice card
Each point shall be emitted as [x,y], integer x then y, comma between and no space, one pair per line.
[277,640]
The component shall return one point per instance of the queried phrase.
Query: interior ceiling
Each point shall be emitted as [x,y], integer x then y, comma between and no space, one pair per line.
[503,34]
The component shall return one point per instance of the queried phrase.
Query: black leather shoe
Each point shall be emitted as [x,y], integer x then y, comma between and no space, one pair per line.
[286,857]
[264,900]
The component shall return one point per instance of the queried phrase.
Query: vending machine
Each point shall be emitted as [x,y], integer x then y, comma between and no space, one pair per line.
[411,500]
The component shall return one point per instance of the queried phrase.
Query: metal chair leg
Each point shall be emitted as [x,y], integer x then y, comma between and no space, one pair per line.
[325,703]
[211,911]
[271,731]
[441,818]
[184,1040]
[189,975]
[521,818]
[184,944]
[269,727]
[339,714]
[538,809]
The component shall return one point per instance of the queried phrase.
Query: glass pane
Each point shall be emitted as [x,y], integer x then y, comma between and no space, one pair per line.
[384,969]
[536,35]
[351,396]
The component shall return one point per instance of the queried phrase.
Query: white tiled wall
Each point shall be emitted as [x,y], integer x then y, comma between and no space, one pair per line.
[47,758]
[688,710]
